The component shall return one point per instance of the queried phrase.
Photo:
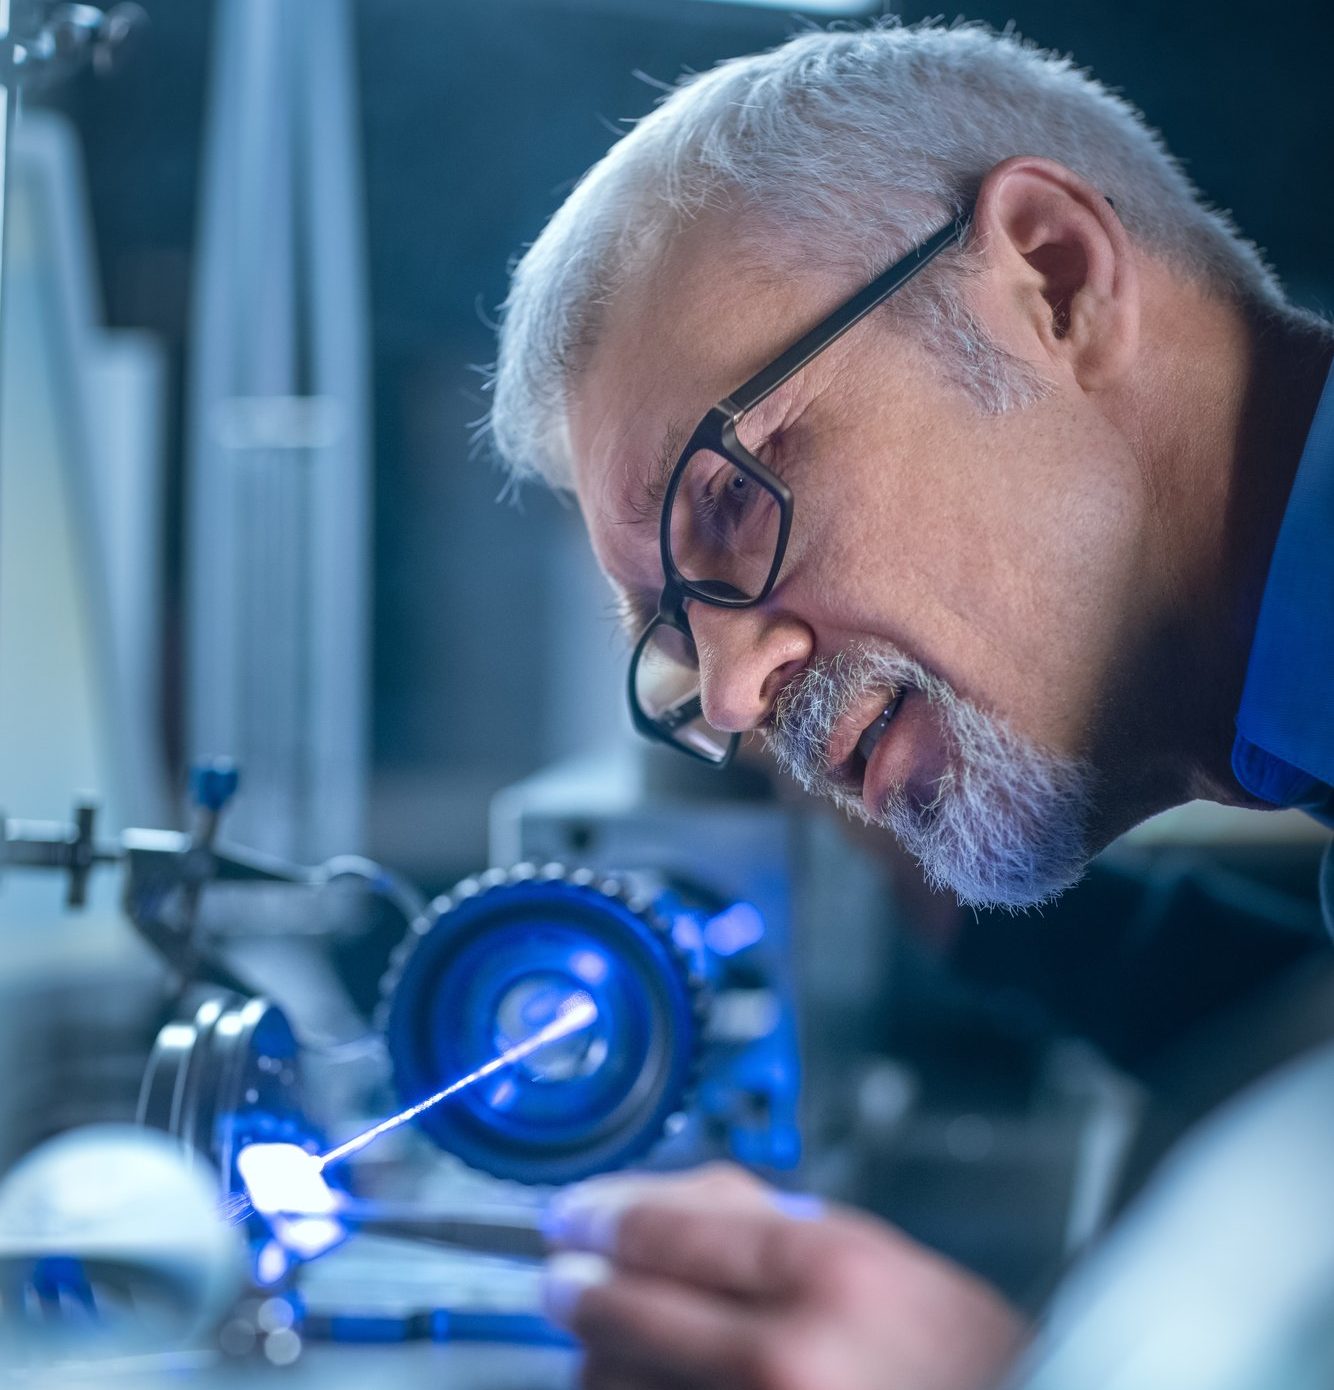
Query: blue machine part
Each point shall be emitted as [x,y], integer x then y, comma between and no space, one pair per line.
[750,1077]
[213,783]
[224,1078]
[492,963]
[733,930]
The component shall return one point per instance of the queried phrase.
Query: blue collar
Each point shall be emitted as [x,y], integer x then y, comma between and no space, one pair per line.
[1284,750]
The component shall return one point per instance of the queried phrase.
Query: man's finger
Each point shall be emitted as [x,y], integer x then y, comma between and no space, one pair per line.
[752,1253]
[716,1227]
[611,1373]
[584,1217]
[632,1319]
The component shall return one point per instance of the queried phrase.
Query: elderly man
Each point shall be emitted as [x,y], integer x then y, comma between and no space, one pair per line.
[925,421]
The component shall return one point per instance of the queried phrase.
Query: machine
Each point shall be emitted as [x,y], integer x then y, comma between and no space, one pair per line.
[692,1052]
[721,953]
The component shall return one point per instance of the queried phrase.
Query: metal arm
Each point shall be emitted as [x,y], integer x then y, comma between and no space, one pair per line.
[167,871]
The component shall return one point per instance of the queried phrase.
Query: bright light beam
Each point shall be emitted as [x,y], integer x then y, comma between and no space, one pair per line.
[283,1178]
[575,1014]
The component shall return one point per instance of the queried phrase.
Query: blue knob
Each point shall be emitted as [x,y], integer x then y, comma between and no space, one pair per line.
[213,783]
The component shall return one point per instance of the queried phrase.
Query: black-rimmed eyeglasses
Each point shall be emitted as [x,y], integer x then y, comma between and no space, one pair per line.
[725,524]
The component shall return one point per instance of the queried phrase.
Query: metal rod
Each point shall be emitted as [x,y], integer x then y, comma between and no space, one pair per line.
[512,1231]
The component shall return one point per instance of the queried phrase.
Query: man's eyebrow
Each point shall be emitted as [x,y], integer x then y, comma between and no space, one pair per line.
[647,498]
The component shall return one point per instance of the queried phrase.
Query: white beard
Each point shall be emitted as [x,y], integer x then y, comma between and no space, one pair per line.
[1007,824]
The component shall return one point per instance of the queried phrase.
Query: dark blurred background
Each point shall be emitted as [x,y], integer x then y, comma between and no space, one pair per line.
[475,120]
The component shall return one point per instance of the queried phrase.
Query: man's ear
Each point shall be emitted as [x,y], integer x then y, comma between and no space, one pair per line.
[1063,264]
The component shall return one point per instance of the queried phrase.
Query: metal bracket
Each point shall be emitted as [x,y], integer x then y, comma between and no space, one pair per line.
[47,44]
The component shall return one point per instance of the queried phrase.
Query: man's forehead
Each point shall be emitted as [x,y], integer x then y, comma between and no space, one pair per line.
[679,334]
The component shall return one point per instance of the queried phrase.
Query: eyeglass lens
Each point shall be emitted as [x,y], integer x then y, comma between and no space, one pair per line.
[667,690]
[724,527]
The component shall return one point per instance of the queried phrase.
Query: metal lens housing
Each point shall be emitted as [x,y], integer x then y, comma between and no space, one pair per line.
[492,964]
[226,1076]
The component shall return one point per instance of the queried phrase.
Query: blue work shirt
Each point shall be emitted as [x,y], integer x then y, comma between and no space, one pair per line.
[1284,750]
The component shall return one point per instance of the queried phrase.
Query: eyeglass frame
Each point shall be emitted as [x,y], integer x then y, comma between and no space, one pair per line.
[716,431]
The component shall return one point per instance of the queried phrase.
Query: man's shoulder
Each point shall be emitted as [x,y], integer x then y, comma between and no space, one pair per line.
[1222,1274]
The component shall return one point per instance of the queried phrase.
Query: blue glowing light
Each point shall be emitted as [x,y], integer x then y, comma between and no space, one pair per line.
[287,1185]
[272,1264]
[283,1177]
[734,929]
[590,966]
[309,1236]
[504,1094]
[686,933]
[576,1013]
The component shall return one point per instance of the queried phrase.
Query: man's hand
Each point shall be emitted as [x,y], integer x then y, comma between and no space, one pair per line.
[713,1280]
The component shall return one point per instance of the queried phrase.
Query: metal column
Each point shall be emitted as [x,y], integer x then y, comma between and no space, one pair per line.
[279,508]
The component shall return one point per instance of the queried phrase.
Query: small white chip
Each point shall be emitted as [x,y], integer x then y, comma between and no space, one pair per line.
[284,1178]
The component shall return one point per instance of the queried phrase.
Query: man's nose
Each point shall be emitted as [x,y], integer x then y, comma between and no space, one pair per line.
[746,657]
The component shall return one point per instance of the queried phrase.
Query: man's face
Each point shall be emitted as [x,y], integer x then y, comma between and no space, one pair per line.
[979,567]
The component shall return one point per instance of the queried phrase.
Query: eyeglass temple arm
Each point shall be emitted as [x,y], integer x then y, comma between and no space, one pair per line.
[829,330]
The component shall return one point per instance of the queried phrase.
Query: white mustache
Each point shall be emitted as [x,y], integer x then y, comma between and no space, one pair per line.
[811,706]
[1006,825]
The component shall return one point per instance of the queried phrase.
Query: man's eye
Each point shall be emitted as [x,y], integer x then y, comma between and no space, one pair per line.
[730,495]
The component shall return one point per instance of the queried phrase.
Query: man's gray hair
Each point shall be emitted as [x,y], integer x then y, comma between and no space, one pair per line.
[858,143]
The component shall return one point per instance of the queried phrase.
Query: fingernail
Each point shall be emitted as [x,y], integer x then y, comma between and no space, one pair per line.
[564,1280]
[800,1206]
[585,1217]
